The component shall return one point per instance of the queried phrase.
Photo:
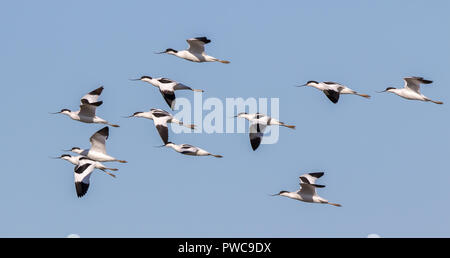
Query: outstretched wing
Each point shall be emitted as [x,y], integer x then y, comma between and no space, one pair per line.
[413,83]
[256,134]
[307,183]
[88,109]
[197,45]
[92,96]
[169,97]
[98,140]
[82,174]
[332,95]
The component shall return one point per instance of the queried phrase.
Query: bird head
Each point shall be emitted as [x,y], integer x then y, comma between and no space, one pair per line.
[136,114]
[388,89]
[76,150]
[309,83]
[280,193]
[169,51]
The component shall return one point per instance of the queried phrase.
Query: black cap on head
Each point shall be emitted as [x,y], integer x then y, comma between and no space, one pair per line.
[75,148]
[390,88]
[65,155]
[146,77]
[170,49]
[283,192]
[65,109]
[311,82]
[135,113]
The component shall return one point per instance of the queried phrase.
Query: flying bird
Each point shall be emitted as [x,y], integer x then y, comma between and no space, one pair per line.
[333,90]
[76,161]
[307,192]
[195,53]
[97,152]
[167,87]
[190,150]
[258,123]
[88,106]
[411,89]
[82,175]
[161,118]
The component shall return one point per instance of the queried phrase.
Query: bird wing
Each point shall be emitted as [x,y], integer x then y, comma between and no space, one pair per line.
[166,80]
[98,140]
[307,183]
[332,95]
[181,86]
[88,109]
[187,148]
[161,126]
[169,97]
[256,134]
[92,96]
[413,83]
[197,45]
[82,174]
[156,112]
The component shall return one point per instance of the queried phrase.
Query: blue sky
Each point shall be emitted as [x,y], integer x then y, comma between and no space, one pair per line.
[385,158]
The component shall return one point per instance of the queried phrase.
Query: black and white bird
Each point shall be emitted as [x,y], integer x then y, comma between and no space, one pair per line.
[307,192]
[76,161]
[258,123]
[161,118]
[86,114]
[411,89]
[97,152]
[195,53]
[82,175]
[190,150]
[333,90]
[167,87]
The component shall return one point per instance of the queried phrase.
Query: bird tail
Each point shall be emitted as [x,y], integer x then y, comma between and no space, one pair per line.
[363,95]
[223,61]
[335,204]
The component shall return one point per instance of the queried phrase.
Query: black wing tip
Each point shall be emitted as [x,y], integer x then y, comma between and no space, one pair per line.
[203,39]
[316,174]
[255,142]
[104,131]
[81,188]
[332,95]
[97,91]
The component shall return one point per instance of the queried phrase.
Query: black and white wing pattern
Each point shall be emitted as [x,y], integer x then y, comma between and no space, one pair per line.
[160,119]
[82,174]
[332,95]
[256,134]
[197,45]
[89,102]
[166,87]
[413,83]
[188,149]
[98,140]
[307,183]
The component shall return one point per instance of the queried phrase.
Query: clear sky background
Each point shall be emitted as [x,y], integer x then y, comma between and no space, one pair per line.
[386,159]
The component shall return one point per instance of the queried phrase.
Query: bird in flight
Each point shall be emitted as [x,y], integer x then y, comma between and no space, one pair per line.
[161,118]
[195,52]
[76,161]
[167,87]
[190,150]
[258,123]
[97,152]
[307,192]
[88,106]
[332,89]
[411,89]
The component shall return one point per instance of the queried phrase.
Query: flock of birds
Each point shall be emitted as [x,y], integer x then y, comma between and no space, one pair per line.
[90,159]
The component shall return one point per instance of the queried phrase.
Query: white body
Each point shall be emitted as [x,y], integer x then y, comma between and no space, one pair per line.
[187,149]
